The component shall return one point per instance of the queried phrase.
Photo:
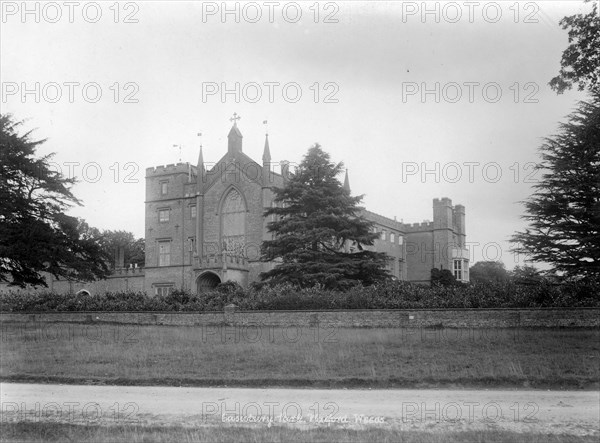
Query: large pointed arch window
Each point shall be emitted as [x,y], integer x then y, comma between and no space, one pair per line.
[233,223]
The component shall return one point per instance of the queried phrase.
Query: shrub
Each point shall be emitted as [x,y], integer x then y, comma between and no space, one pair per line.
[386,295]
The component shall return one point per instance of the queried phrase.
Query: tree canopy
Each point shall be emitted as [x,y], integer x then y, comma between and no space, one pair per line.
[111,241]
[488,271]
[36,235]
[319,234]
[580,63]
[564,211]
[133,248]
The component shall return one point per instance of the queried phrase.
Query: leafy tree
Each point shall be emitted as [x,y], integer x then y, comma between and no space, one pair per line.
[36,235]
[316,221]
[488,271]
[564,212]
[111,241]
[133,248]
[580,63]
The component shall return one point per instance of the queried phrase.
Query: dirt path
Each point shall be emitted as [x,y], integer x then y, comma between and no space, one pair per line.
[572,412]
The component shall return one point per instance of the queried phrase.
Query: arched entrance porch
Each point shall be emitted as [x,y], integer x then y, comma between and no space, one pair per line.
[207,281]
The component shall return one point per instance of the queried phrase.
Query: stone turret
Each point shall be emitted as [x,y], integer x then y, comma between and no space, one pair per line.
[234,140]
[442,213]
[442,233]
[266,158]
[200,172]
[459,220]
[347,182]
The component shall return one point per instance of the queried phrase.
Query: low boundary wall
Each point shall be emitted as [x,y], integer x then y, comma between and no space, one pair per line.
[420,318]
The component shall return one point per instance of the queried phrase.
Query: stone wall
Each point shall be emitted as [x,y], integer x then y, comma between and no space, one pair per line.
[433,318]
[126,279]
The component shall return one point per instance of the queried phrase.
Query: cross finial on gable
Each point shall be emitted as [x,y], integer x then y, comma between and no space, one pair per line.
[235,118]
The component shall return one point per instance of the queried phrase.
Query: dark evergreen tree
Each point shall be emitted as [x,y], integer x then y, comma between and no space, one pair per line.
[529,275]
[35,234]
[319,233]
[564,212]
[443,277]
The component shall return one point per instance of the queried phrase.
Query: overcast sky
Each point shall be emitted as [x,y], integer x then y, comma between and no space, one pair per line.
[361,68]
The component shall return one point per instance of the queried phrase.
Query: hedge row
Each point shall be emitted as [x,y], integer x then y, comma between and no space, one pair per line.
[391,295]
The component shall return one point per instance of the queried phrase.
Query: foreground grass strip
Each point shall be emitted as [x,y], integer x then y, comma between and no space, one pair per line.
[338,383]
[293,357]
[54,432]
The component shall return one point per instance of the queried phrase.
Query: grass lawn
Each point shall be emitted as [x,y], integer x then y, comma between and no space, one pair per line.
[54,432]
[311,357]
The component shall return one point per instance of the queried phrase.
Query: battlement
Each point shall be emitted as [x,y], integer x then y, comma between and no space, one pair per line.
[122,272]
[179,168]
[419,227]
[382,220]
[444,201]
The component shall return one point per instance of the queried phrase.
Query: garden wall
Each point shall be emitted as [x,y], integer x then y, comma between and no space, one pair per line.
[447,318]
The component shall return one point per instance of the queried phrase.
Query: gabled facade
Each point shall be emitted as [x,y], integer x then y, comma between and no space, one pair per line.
[205,226]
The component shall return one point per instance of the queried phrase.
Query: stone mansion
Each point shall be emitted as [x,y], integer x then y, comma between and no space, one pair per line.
[204,226]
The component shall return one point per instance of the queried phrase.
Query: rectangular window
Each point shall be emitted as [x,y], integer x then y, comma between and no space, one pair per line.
[393,237]
[193,211]
[383,234]
[163,289]
[458,270]
[164,253]
[163,215]
[164,187]
[400,239]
